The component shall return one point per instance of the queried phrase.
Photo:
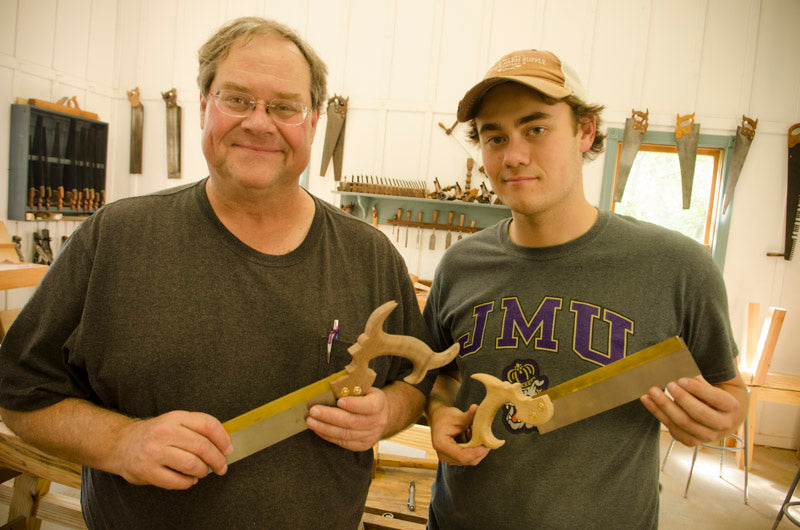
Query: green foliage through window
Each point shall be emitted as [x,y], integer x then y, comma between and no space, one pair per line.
[653,193]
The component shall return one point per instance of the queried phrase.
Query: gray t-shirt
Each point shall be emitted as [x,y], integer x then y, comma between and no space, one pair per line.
[544,316]
[153,305]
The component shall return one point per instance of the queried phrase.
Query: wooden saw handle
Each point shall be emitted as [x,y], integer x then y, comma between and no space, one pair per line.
[534,410]
[375,342]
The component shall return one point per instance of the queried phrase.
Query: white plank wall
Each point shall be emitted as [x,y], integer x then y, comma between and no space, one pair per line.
[404,64]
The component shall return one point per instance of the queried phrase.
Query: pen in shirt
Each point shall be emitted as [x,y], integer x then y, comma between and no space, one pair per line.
[332,334]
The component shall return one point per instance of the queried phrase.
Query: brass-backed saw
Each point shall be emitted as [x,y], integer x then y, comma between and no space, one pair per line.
[285,416]
[591,393]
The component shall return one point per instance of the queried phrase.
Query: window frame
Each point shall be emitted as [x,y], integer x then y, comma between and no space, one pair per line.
[721,221]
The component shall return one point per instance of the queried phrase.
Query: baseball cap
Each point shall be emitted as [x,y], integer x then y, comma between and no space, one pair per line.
[540,70]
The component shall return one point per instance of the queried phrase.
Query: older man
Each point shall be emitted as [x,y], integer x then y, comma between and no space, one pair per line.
[556,291]
[166,314]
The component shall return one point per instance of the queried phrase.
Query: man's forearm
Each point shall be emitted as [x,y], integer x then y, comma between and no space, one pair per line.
[443,394]
[405,406]
[72,429]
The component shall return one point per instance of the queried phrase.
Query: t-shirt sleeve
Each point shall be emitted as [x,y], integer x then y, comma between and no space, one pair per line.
[35,365]
[707,328]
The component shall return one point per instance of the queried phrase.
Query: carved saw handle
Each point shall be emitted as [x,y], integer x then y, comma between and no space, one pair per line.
[534,410]
[375,342]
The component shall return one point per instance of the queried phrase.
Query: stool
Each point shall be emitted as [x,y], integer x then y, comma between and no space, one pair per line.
[741,446]
[786,504]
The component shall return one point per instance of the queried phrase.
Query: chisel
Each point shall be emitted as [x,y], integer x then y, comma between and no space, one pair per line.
[432,242]
[449,238]
[419,230]
[408,225]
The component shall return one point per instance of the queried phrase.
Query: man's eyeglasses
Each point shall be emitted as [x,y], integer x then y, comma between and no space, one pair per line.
[240,105]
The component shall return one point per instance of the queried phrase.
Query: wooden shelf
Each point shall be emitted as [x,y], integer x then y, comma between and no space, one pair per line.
[387,206]
[14,276]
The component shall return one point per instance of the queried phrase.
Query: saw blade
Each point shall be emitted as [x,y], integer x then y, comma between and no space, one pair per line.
[619,382]
[278,419]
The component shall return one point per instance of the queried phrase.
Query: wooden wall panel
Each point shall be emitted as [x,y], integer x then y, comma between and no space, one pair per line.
[367,45]
[363,144]
[515,24]
[290,12]
[127,55]
[777,77]
[36,24]
[101,64]
[569,32]
[727,55]
[673,55]
[8,27]
[71,47]
[412,50]
[618,55]
[459,51]
[196,22]
[157,46]
[243,8]
[6,94]
[404,132]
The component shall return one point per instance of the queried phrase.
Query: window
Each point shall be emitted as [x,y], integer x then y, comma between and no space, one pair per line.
[653,189]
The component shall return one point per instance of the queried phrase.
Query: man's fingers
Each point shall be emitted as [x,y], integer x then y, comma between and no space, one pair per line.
[173,450]
[356,423]
[370,403]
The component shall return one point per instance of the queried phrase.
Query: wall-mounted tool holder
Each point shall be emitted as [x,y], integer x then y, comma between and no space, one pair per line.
[386,207]
[57,164]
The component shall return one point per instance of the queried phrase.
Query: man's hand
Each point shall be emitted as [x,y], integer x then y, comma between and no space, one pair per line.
[447,425]
[171,451]
[356,423]
[698,411]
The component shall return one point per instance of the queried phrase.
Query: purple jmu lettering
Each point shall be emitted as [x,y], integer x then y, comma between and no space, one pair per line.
[542,323]
[619,328]
[479,315]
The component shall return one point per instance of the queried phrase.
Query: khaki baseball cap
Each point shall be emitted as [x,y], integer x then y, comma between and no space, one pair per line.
[540,70]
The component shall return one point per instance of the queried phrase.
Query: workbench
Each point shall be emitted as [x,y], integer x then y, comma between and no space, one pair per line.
[387,507]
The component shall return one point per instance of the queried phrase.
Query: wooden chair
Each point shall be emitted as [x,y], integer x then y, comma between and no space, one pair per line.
[764,384]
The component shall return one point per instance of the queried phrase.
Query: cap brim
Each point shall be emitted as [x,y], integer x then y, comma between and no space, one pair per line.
[468,106]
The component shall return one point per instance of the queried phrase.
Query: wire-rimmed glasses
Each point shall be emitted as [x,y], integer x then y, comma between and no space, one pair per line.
[240,105]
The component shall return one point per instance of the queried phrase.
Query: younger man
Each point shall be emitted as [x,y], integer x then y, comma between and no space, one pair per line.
[554,292]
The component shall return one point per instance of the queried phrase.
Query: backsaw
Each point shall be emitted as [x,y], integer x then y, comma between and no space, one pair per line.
[285,416]
[592,393]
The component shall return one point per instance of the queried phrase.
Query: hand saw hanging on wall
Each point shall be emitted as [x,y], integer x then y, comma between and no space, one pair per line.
[173,133]
[137,131]
[285,416]
[592,393]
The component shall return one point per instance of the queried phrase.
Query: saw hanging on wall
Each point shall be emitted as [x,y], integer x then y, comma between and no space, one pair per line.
[137,130]
[687,134]
[173,134]
[741,145]
[635,129]
[792,196]
[334,136]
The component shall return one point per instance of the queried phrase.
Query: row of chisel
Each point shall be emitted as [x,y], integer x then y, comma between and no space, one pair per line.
[398,223]
[68,178]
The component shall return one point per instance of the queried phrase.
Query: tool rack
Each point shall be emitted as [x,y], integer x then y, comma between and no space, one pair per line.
[86,138]
[387,205]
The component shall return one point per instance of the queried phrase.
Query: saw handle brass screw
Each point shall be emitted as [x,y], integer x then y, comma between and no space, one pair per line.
[375,342]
